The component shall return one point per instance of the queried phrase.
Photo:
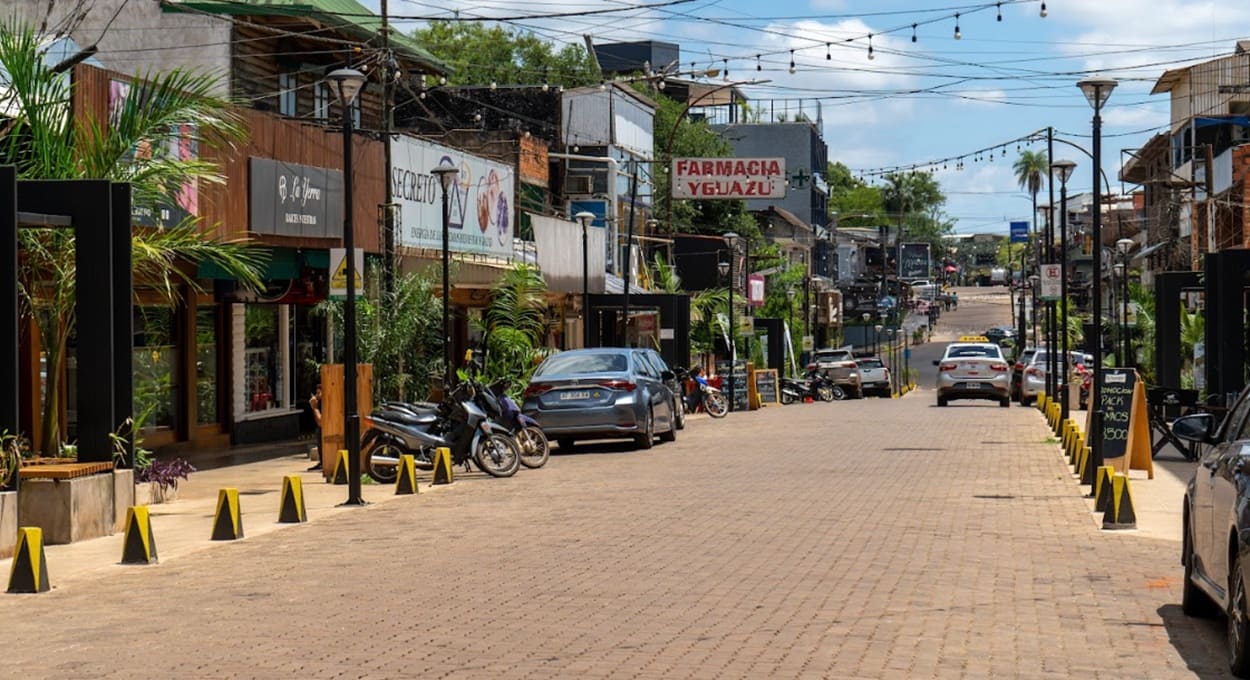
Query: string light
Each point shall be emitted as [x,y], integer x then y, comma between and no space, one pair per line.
[725,63]
[913,33]
[792,67]
[870,55]
[757,63]
[1043,12]
[999,5]
[958,35]
[493,86]
[828,56]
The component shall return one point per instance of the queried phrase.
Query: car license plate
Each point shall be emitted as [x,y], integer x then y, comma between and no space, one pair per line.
[974,386]
[569,396]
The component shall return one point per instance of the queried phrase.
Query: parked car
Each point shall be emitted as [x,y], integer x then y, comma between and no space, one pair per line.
[973,370]
[603,393]
[998,334]
[1017,371]
[874,377]
[1033,382]
[1215,525]
[840,366]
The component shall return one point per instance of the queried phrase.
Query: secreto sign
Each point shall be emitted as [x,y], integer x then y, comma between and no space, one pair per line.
[728,178]
[482,200]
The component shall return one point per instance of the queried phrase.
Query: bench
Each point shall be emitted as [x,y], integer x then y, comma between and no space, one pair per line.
[64,470]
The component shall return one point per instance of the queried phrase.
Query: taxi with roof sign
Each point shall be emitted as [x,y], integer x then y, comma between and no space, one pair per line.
[973,368]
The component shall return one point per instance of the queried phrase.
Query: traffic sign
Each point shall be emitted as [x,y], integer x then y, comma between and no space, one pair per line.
[1019,232]
[338,272]
[1052,284]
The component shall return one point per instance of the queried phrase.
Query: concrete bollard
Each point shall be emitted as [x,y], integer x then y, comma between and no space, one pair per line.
[291,509]
[442,466]
[406,480]
[1102,488]
[1120,515]
[228,522]
[340,469]
[29,572]
[139,546]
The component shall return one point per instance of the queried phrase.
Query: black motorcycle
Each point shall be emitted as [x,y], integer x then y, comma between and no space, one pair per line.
[814,386]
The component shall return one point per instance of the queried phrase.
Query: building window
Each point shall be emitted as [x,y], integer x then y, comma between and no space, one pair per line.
[206,401]
[262,359]
[155,362]
[288,84]
[321,101]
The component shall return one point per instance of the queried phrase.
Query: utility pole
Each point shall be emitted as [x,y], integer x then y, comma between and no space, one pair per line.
[388,115]
[629,246]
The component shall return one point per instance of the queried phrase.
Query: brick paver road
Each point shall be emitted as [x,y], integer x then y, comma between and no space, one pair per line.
[867,539]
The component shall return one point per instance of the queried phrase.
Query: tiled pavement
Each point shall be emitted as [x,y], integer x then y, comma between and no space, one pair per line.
[864,539]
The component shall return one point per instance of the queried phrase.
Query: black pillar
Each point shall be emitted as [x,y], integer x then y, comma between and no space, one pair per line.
[123,324]
[9,357]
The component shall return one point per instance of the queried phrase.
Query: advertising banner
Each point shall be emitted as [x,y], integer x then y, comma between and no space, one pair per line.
[914,262]
[291,199]
[711,178]
[482,199]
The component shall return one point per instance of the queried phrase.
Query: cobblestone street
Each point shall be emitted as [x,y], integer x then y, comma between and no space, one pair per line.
[861,539]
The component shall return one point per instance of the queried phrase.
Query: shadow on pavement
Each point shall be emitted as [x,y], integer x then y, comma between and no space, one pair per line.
[1200,642]
[592,447]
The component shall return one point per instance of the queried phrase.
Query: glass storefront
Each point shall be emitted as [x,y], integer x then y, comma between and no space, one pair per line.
[207,408]
[155,357]
[262,359]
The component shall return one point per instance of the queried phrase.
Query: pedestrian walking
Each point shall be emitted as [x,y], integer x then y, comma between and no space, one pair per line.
[314,403]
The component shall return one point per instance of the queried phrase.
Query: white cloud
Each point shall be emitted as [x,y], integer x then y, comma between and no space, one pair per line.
[1135,117]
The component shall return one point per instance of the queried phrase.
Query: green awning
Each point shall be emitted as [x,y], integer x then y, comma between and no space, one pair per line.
[283,264]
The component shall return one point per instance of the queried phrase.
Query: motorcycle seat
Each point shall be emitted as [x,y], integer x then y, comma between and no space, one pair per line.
[412,418]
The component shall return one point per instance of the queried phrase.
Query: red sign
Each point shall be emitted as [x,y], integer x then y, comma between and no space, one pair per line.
[708,178]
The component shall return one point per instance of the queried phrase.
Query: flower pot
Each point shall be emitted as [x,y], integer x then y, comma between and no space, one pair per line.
[151,493]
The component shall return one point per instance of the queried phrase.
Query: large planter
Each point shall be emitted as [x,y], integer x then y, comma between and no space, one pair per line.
[8,522]
[151,493]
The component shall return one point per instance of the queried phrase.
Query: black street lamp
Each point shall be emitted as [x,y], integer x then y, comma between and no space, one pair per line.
[446,176]
[731,240]
[1097,90]
[876,340]
[790,295]
[585,217]
[1063,169]
[1122,246]
[345,84]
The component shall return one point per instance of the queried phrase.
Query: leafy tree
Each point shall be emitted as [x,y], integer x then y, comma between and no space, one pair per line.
[516,324]
[1031,169]
[43,140]
[480,55]
[856,203]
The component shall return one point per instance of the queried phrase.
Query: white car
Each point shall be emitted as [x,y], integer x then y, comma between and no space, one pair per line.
[1033,382]
[874,376]
[973,370]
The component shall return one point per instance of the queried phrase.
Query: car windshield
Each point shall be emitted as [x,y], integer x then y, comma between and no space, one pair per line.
[572,363]
[973,351]
[870,363]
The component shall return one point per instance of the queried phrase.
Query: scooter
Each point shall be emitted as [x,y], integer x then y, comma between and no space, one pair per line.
[711,400]
[814,386]
[460,425]
[535,449]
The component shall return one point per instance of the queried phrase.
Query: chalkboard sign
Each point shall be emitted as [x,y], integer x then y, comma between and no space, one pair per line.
[1116,402]
[766,386]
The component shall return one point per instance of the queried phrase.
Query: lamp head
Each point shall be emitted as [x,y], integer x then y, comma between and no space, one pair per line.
[446,175]
[877,328]
[723,267]
[731,239]
[345,84]
[1097,90]
[790,293]
[1119,270]
[585,217]
[1063,168]
[1124,245]
[866,316]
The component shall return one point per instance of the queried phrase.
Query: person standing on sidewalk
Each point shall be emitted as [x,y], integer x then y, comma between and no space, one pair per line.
[314,402]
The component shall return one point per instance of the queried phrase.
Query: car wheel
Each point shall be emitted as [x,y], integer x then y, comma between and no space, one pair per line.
[1194,602]
[1238,639]
[679,413]
[1005,402]
[941,401]
[671,434]
[646,439]
[566,444]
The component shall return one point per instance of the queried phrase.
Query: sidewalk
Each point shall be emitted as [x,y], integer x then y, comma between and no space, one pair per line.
[183,526]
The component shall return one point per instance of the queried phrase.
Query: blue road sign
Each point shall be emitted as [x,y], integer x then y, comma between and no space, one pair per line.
[1019,232]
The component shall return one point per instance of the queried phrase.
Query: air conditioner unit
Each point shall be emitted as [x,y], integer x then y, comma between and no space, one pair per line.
[579,184]
[1241,134]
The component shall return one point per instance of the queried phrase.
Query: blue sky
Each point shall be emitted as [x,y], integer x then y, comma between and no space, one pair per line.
[937,97]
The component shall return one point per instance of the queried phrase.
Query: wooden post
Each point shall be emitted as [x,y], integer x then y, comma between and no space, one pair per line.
[332,409]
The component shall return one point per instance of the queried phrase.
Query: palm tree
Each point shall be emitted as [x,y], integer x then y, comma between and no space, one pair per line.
[44,140]
[516,324]
[1030,168]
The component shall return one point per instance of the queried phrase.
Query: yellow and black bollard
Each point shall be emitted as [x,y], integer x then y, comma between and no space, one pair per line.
[406,480]
[340,468]
[1120,515]
[442,465]
[291,507]
[139,546]
[1103,488]
[29,573]
[228,522]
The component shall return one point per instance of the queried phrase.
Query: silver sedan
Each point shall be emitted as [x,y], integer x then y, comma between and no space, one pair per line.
[973,371]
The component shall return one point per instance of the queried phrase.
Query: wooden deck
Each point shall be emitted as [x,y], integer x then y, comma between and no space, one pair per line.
[64,470]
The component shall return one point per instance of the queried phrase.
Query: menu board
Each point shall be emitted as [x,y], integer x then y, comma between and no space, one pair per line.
[766,386]
[1116,402]
[740,401]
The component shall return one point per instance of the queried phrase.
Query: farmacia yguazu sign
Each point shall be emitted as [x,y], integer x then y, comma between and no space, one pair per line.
[710,178]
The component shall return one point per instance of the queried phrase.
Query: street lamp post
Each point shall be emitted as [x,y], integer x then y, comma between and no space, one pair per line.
[1123,246]
[866,317]
[731,240]
[585,217]
[1063,168]
[876,340]
[346,84]
[1097,90]
[446,177]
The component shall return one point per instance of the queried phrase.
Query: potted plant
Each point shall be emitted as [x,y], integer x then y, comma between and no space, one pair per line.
[157,481]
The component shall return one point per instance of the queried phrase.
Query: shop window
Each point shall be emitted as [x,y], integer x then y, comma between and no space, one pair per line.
[288,83]
[155,362]
[261,359]
[206,401]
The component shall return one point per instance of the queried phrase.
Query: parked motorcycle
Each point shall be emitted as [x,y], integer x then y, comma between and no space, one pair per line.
[459,423]
[813,386]
[530,439]
[705,397]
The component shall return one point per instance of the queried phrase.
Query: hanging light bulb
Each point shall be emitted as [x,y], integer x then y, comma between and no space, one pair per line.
[546,86]
[792,67]
[442,80]
[757,63]
[725,64]
[913,33]
[493,86]
[870,54]
[1044,12]
[958,35]
[660,84]
[1000,10]
[602,85]
[828,56]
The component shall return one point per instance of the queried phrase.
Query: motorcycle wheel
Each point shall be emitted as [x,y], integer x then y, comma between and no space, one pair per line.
[825,392]
[535,449]
[839,393]
[378,461]
[786,397]
[497,455]
[716,405]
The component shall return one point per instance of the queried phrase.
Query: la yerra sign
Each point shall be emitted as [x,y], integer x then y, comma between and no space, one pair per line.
[728,178]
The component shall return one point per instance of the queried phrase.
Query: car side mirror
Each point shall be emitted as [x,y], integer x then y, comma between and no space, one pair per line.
[1198,428]
[936,362]
[667,375]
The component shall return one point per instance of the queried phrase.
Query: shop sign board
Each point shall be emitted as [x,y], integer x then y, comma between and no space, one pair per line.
[729,178]
[291,199]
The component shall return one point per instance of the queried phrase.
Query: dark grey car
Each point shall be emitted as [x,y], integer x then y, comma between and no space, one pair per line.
[603,393]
